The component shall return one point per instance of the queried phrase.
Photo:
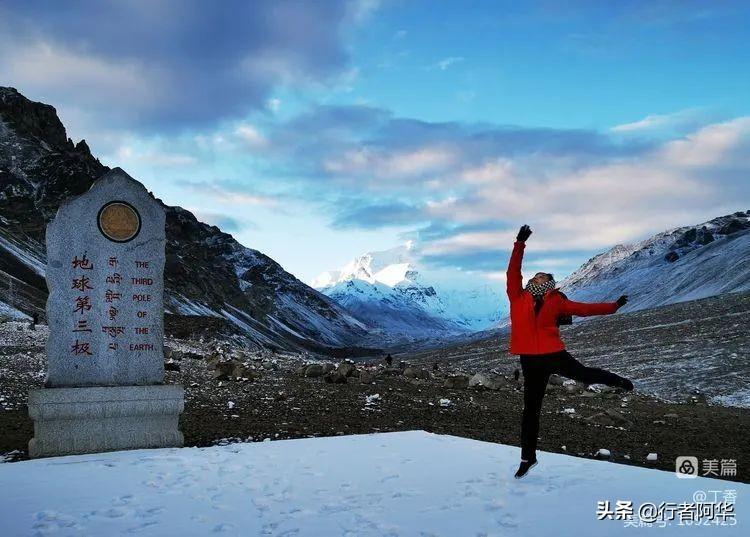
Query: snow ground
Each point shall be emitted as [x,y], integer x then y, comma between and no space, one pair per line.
[403,483]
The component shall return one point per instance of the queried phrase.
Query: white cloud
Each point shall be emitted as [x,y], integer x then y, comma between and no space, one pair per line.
[647,123]
[493,171]
[361,10]
[391,164]
[128,156]
[250,135]
[274,104]
[601,204]
[713,145]
[235,197]
[499,276]
[98,82]
[445,63]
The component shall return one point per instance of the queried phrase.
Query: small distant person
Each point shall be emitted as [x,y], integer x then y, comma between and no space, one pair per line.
[34,321]
[435,367]
[389,360]
[535,337]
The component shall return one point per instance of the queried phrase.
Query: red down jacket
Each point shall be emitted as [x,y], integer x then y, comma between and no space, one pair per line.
[539,334]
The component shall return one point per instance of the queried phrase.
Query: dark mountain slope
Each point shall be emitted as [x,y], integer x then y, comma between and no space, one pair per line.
[207,272]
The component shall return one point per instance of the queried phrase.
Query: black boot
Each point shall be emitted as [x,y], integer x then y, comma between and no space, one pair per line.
[524,467]
[625,384]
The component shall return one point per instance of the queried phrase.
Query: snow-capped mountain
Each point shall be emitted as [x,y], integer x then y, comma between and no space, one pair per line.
[386,288]
[207,271]
[677,265]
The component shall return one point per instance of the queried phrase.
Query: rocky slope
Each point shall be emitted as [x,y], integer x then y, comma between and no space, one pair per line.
[671,351]
[686,263]
[207,272]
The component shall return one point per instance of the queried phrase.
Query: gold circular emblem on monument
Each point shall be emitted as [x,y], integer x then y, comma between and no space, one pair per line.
[119,221]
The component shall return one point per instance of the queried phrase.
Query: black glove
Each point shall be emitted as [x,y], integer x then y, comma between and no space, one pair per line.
[622,301]
[523,233]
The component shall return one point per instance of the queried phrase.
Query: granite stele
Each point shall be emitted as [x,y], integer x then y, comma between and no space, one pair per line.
[105,388]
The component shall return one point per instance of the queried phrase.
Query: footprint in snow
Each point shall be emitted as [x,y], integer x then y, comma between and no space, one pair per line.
[123,500]
[494,505]
[142,527]
[52,520]
[507,521]
[148,513]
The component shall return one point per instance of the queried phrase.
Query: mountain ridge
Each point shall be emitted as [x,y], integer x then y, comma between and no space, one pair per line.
[388,289]
[683,263]
[207,271]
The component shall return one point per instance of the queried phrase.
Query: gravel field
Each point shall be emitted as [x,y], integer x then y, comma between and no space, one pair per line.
[273,400]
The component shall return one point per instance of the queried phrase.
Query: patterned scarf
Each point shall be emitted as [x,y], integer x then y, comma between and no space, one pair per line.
[539,290]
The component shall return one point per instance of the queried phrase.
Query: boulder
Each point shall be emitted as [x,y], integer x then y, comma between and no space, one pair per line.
[240,370]
[335,377]
[245,372]
[213,358]
[347,369]
[315,370]
[556,380]
[600,418]
[610,417]
[416,373]
[223,370]
[171,365]
[366,377]
[457,381]
[480,380]
[618,418]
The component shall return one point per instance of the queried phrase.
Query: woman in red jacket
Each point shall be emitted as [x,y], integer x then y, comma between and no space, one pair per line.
[535,336]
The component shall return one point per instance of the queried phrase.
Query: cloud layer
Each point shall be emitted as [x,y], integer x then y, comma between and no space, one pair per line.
[171,63]
[465,188]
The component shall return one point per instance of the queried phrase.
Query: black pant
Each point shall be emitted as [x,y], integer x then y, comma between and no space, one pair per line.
[536,371]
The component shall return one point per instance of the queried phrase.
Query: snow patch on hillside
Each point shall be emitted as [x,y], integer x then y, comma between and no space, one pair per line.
[11,312]
[677,265]
[25,254]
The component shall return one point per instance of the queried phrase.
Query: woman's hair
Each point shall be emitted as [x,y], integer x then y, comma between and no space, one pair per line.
[549,275]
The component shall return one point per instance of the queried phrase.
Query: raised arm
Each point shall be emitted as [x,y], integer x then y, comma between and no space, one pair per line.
[586,309]
[513,275]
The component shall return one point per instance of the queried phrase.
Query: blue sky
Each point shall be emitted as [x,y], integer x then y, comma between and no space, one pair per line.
[317,131]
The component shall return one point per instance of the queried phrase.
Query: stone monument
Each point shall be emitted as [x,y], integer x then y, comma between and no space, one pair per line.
[104,388]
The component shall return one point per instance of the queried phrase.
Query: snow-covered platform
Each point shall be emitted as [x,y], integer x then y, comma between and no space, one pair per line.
[406,483]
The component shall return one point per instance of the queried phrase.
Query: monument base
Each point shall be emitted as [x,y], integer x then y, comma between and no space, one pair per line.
[69,421]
